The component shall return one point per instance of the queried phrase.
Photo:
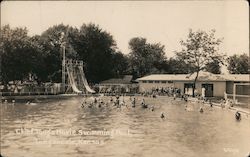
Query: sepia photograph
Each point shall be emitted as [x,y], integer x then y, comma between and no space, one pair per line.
[164,78]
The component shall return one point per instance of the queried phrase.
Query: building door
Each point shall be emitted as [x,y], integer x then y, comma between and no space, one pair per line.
[188,88]
[209,88]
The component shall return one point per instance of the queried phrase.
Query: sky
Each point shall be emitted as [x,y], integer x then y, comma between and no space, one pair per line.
[165,22]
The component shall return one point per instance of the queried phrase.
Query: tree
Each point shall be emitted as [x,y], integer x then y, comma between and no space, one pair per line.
[200,49]
[213,67]
[96,48]
[19,54]
[178,66]
[238,64]
[50,41]
[145,57]
[120,64]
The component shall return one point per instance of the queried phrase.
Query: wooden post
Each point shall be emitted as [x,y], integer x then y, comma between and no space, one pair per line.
[234,92]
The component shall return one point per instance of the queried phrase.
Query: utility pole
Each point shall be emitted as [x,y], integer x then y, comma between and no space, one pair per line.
[63,43]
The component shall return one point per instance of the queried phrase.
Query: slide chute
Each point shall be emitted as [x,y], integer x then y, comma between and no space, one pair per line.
[85,82]
[72,81]
[77,79]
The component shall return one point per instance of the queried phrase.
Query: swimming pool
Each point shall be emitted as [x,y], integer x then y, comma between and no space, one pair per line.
[64,128]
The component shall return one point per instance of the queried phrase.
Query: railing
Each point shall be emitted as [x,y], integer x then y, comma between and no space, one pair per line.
[26,93]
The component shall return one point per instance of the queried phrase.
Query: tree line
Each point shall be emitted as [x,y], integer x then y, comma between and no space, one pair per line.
[40,55]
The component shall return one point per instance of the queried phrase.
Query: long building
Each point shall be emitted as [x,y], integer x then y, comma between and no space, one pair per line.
[216,85]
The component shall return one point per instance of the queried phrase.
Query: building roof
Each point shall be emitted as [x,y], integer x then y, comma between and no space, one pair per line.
[126,79]
[203,76]
[238,77]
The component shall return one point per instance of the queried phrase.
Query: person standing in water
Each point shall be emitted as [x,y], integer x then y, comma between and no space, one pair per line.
[133,102]
[144,105]
[117,101]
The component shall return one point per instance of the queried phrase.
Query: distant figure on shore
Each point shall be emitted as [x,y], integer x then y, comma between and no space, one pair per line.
[203,92]
[237,115]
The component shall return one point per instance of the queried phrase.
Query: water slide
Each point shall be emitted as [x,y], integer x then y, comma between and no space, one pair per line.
[72,81]
[85,83]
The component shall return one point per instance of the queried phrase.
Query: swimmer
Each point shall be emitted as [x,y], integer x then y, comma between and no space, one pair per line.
[122,103]
[201,110]
[90,105]
[28,102]
[145,106]
[100,105]
[211,104]
[186,106]
[152,108]
[237,115]
[117,102]
[83,116]
[82,106]
[185,98]
[142,102]
[231,104]
[133,105]
[162,115]
[5,101]
[95,100]
[13,102]
[222,104]
[111,99]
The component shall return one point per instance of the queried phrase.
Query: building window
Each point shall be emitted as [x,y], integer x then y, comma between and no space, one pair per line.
[163,81]
[188,85]
[170,81]
[157,81]
[144,81]
[150,81]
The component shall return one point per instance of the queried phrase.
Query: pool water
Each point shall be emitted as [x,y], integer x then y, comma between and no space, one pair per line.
[64,128]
